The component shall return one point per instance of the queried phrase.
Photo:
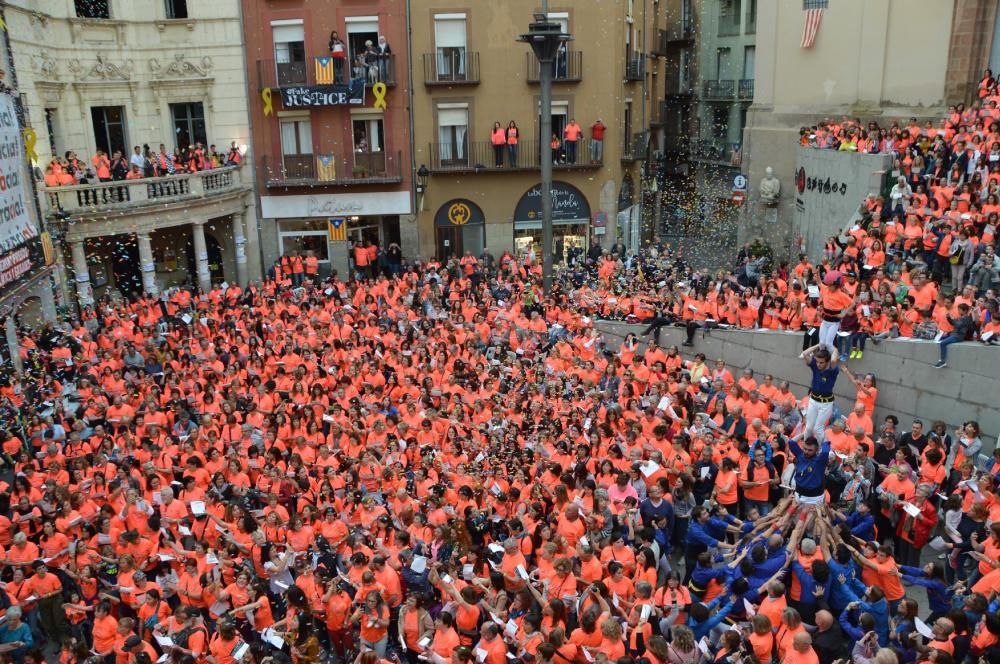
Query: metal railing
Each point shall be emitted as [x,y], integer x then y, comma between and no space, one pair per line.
[719,89]
[634,147]
[635,68]
[332,169]
[566,68]
[85,199]
[324,70]
[744,90]
[681,31]
[661,45]
[479,156]
[711,149]
[676,143]
[451,67]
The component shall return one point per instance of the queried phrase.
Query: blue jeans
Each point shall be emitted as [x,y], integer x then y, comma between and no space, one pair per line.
[947,341]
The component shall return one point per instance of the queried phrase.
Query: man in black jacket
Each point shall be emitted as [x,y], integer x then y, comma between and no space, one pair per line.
[964,329]
[829,640]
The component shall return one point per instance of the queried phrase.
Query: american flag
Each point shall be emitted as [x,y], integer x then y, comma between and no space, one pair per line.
[810,27]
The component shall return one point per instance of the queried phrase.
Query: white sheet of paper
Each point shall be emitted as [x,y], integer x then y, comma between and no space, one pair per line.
[703,646]
[510,629]
[424,642]
[751,612]
[164,640]
[705,470]
[467,572]
[495,548]
[481,654]
[521,572]
[911,509]
[923,628]
[184,530]
[649,468]
[272,637]
[938,543]
[197,507]
[814,291]
[419,564]
[240,651]
[644,613]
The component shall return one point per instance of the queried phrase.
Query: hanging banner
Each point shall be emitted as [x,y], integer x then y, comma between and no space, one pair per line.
[20,245]
[312,96]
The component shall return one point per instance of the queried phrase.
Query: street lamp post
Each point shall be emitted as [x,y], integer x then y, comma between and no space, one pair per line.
[545,38]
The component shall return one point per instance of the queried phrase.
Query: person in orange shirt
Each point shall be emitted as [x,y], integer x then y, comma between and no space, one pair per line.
[571,135]
[373,618]
[47,587]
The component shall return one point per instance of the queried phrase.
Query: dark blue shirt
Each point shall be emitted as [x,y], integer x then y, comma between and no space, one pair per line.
[823,381]
[810,474]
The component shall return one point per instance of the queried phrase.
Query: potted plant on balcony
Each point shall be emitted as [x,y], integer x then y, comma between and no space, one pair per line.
[359,171]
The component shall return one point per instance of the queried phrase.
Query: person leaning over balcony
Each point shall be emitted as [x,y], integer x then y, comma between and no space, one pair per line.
[512,143]
[597,142]
[338,51]
[102,166]
[165,160]
[119,166]
[499,139]
[234,156]
[572,134]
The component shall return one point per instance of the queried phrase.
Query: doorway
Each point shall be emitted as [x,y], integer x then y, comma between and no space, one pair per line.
[449,242]
[125,265]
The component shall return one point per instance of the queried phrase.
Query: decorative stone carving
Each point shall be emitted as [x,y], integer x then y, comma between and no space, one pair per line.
[180,67]
[102,69]
[46,66]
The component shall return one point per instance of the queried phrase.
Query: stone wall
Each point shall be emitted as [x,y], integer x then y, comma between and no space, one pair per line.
[909,385]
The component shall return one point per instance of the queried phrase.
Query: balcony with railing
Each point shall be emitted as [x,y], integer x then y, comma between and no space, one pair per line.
[719,89]
[676,144]
[324,70]
[566,68]
[661,45]
[127,195]
[334,170]
[451,66]
[634,147]
[479,157]
[712,150]
[680,32]
[744,89]
[635,67]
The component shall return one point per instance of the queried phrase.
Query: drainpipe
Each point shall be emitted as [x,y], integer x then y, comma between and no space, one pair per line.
[250,163]
[413,152]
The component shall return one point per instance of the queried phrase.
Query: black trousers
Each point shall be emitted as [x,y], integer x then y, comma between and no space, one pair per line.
[654,326]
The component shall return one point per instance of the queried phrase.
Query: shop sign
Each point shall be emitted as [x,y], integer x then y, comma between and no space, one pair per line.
[568,204]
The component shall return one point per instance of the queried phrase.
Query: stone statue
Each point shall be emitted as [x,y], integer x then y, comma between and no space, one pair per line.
[770,187]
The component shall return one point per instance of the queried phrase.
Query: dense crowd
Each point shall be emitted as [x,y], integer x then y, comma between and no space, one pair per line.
[943,206]
[143,163]
[445,465]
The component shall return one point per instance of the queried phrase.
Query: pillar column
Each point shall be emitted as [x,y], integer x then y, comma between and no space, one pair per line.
[201,257]
[240,240]
[147,264]
[46,294]
[14,347]
[84,293]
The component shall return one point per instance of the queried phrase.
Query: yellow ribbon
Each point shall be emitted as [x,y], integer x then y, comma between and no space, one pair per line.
[265,94]
[3,24]
[379,91]
[30,138]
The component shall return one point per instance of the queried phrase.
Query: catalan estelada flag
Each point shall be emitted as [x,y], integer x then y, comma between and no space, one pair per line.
[326,167]
[338,229]
[324,71]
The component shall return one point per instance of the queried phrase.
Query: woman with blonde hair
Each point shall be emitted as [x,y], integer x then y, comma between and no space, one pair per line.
[682,648]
